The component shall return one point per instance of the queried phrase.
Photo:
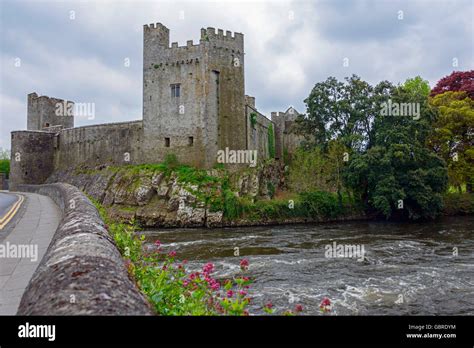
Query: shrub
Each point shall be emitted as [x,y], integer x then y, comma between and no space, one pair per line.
[5,166]
[321,204]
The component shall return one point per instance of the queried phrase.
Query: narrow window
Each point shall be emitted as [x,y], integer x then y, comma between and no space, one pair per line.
[175,90]
[46,125]
[190,141]
[167,142]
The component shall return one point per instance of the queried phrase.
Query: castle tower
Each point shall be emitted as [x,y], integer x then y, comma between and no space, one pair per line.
[45,113]
[193,96]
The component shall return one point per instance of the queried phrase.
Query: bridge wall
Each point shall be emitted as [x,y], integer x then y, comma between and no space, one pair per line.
[82,272]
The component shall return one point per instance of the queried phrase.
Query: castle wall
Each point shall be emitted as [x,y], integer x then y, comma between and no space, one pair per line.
[257,135]
[111,143]
[286,139]
[32,154]
[46,112]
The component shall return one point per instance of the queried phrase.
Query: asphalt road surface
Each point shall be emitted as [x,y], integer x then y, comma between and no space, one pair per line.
[6,202]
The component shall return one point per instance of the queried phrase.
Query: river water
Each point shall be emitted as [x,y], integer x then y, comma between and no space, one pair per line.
[406,269]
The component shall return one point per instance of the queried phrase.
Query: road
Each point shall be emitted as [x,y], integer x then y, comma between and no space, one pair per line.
[24,240]
[6,201]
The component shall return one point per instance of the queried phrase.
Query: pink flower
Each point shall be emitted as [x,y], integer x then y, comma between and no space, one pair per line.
[157,243]
[325,302]
[230,293]
[208,268]
[244,264]
[172,253]
[269,305]
[215,286]
[242,293]
[325,305]
[186,282]
[298,308]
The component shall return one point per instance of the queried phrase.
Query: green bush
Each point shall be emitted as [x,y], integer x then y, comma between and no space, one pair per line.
[458,204]
[321,204]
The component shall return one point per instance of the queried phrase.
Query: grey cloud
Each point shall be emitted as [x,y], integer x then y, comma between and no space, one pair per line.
[82,59]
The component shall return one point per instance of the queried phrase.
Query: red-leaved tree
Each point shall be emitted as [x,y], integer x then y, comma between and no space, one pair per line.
[458,81]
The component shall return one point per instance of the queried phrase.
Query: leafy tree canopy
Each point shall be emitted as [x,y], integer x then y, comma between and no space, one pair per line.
[458,81]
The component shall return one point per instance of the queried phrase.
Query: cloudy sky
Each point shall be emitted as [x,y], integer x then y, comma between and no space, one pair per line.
[77,50]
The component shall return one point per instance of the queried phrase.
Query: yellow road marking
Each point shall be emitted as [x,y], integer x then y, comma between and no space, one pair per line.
[11,213]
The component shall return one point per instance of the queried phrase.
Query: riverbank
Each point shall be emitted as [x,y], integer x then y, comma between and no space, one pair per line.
[170,195]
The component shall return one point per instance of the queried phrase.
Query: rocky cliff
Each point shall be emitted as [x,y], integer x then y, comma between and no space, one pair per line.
[159,196]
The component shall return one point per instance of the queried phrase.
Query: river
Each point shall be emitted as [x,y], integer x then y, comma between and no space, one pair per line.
[406,269]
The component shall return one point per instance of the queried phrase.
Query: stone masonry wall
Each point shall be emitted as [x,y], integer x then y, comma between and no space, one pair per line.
[82,262]
[257,136]
[112,143]
[32,154]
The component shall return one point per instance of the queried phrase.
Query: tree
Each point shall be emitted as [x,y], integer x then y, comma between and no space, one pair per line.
[4,161]
[458,81]
[399,176]
[417,88]
[344,111]
[453,136]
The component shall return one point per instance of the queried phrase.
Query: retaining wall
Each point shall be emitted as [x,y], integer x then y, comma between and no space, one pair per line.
[82,272]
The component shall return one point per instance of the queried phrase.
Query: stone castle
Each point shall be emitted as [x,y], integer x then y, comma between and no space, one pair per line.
[194,105]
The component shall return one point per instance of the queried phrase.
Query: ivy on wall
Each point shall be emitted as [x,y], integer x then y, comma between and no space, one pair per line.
[253,119]
[271,141]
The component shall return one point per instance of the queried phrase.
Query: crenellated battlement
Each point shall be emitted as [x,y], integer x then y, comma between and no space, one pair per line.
[210,33]
[289,115]
[160,36]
